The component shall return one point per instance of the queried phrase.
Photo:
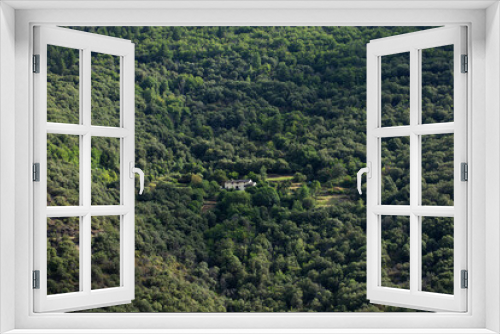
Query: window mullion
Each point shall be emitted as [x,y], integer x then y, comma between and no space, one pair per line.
[420,129]
[414,171]
[81,240]
[406,210]
[85,182]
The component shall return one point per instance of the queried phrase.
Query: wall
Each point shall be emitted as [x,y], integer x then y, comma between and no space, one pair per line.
[492,162]
[7,159]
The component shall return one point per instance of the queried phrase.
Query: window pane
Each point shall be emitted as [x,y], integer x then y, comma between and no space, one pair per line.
[63,170]
[396,251]
[105,252]
[437,170]
[63,80]
[437,85]
[63,255]
[437,254]
[105,171]
[105,89]
[395,171]
[395,89]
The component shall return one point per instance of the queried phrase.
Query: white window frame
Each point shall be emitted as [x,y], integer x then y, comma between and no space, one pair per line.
[484,149]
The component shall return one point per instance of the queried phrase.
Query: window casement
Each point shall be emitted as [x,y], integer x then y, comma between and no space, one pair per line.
[416,129]
[85,131]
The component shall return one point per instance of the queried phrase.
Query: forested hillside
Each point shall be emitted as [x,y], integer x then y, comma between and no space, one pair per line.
[283,106]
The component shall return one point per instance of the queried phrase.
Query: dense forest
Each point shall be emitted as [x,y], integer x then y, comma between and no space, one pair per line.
[283,106]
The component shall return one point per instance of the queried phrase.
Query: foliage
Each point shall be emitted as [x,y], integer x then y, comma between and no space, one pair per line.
[284,106]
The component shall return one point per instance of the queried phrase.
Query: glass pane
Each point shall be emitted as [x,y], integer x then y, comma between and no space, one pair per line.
[437,85]
[63,170]
[105,89]
[437,254]
[105,171]
[395,89]
[437,170]
[63,255]
[396,251]
[395,171]
[105,252]
[63,85]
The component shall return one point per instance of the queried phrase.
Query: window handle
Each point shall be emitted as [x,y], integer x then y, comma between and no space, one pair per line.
[135,170]
[368,171]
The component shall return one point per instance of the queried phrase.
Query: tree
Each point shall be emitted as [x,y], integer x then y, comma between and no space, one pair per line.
[220,176]
[315,187]
[196,180]
[265,196]
[299,177]
[263,173]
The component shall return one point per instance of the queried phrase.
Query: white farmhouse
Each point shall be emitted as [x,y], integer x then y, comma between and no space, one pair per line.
[239,184]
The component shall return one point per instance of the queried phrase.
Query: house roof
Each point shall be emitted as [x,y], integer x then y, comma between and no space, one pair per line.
[240,181]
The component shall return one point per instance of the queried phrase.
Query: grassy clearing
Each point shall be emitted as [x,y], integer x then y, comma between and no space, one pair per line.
[295,186]
[208,205]
[279,178]
[329,200]
[325,200]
